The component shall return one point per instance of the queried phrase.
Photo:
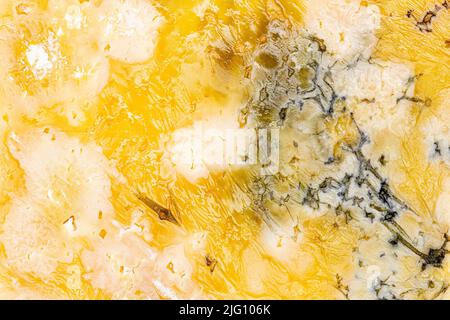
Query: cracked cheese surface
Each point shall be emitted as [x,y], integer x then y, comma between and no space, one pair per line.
[103,197]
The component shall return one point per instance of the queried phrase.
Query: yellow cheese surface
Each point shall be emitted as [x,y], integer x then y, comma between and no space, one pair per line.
[97,102]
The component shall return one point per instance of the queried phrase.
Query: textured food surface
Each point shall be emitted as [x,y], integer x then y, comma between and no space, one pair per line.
[224,149]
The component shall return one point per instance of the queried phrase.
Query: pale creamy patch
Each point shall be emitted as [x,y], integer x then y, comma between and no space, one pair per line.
[130,29]
[376,92]
[347,28]
[283,247]
[436,132]
[127,267]
[74,17]
[67,186]
[204,6]
[210,145]
[73,68]
[121,266]
[64,173]
[442,210]
[33,240]
[39,61]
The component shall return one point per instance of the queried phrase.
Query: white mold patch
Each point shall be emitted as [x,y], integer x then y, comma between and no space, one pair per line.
[130,29]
